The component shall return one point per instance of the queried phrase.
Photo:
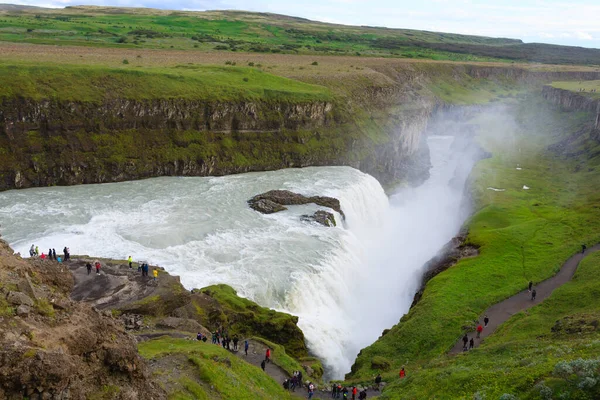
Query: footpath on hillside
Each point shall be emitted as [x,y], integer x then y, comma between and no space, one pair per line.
[501,312]
[118,285]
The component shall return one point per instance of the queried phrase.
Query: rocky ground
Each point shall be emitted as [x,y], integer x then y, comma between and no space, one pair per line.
[52,347]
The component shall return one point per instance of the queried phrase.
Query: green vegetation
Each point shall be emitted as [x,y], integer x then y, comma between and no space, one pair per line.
[212,372]
[575,86]
[522,235]
[246,318]
[232,31]
[201,83]
[280,357]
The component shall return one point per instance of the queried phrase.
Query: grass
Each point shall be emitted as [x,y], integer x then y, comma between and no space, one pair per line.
[246,318]
[233,31]
[522,235]
[280,357]
[200,83]
[575,86]
[218,374]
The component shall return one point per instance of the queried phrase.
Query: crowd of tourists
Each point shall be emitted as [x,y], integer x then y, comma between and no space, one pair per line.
[34,251]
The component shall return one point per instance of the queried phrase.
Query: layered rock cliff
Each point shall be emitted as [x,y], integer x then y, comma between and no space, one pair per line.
[376,128]
[574,101]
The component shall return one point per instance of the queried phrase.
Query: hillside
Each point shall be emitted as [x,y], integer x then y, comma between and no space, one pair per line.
[545,165]
[238,31]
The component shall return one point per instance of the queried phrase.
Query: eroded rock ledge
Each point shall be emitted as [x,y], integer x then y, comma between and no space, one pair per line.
[275,201]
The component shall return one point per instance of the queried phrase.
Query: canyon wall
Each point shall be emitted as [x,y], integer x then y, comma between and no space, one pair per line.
[377,129]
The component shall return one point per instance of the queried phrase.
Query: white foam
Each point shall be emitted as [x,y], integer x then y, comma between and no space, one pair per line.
[346,283]
[496,190]
[525,187]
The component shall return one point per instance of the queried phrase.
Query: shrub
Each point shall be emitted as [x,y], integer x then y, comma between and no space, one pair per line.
[251,64]
[314,63]
[380,363]
[122,39]
[221,47]
[125,61]
[245,79]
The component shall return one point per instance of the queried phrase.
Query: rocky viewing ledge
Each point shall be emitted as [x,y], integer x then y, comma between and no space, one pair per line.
[66,333]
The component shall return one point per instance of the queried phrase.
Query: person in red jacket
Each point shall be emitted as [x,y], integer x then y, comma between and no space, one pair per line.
[268,355]
[402,373]
[479,330]
[354,392]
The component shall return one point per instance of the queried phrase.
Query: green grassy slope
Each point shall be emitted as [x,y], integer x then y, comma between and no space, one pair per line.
[575,86]
[523,235]
[208,372]
[200,83]
[263,33]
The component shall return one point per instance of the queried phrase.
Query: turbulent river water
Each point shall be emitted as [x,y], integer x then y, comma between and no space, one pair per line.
[346,284]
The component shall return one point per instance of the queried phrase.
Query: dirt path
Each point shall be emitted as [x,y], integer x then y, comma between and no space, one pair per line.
[500,312]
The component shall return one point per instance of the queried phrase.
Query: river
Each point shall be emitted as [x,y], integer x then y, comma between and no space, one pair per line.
[346,283]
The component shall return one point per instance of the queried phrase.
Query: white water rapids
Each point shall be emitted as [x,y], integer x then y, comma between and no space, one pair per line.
[346,284]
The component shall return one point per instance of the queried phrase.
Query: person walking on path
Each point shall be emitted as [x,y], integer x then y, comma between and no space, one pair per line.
[354,392]
[246,345]
[363,395]
[486,321]
[402,373]
[97,263]
[311,390]
[89,267]
[583,247]
[533,295]
[378,381]
[155,273]
[65,254]
[530,286]
[32,251]
[268,355]
[479,330]
[263,364]
[50,254]
[130,261]
[465,340]
[54,254]
[235,343]
[333,390]
[471,343]
[37,251]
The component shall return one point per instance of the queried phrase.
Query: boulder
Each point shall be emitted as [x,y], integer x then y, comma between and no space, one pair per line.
[19,298]
[281,198]
[266,206]
[322,217]
[23,310]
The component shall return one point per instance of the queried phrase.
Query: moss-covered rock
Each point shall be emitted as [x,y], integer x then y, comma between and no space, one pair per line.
[219,306]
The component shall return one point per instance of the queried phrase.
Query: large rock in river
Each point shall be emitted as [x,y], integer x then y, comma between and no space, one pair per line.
[266,202]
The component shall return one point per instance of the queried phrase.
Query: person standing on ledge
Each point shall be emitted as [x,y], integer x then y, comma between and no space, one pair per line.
[583,247]
[246,345]
[155,273]
[130,261]
[89,267]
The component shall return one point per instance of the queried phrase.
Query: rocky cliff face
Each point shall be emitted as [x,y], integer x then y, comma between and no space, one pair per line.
[377,130]
[572,101]
[58,349]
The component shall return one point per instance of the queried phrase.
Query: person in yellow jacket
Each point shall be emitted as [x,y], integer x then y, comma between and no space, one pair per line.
[155,272]
[130,260]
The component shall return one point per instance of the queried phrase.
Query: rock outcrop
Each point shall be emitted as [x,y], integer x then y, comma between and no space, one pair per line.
[322,217]
[54,348]
[274,201]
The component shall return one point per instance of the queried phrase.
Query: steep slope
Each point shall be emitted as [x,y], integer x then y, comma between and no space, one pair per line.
[547,161]
[54,348]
